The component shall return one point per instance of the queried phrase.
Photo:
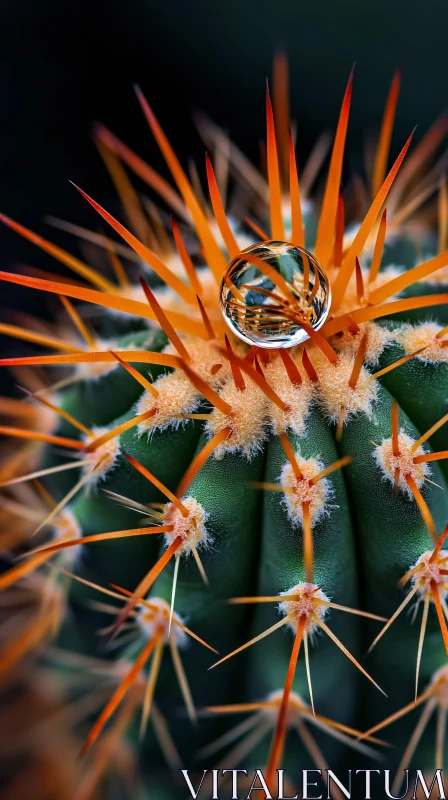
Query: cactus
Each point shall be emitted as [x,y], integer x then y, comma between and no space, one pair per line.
[171,491]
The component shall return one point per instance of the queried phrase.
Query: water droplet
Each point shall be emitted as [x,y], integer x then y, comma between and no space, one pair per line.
[270,291]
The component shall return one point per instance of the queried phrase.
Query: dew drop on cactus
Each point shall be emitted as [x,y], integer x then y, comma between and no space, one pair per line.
[272,293]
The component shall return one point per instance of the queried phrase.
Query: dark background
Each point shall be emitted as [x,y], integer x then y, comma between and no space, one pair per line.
[65,64]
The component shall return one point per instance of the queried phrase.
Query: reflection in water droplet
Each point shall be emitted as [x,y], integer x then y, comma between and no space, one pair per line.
[271,291]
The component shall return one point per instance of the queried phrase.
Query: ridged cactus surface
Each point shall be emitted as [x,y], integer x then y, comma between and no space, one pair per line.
[225,554]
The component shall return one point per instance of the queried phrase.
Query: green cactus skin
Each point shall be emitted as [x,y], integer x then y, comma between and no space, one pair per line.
[366,535]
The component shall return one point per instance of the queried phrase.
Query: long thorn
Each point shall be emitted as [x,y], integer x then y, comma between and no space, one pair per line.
[346,652]
[382,153]
[258,638]
[308,671]
[440,614]
[164,321]
[145,584]
[429,432]
[173,590]
[119,694]
[169,277]
[200,459]
[158,484]
[424,510]
[182,680]
[421,639]
[307,542]
[280,728]
[147,385]
[394,616]
[277,228]
[151,684]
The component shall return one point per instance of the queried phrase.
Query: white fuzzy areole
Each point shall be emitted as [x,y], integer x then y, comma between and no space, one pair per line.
[378,338]
[306,605]
[297,398]
[430,572]
[414,337]
[404,462]
[176,395]
[316,494]
[66,526]
[107,454]
[247,420]
[333,390]
[295,704]
[47,420]
[157,618]
[204,356]
[190,527]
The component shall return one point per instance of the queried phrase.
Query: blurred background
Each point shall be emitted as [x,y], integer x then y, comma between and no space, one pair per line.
[67,63]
